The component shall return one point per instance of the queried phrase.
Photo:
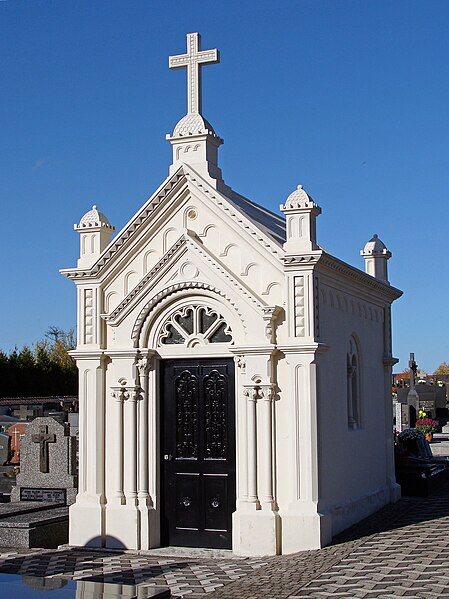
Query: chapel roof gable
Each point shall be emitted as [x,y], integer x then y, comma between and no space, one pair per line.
[266,227]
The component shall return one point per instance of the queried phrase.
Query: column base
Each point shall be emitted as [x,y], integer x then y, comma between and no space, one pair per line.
[256,532]
[304,528]
[395,492]
[150,535]
[86,524]
[122,527]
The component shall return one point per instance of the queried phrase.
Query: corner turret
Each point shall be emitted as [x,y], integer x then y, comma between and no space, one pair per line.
[376,257]
[95,233]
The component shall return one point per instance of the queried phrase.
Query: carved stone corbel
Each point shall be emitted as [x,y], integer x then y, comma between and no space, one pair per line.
[270,315]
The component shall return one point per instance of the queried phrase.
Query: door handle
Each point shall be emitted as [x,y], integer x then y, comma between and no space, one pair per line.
[168,457]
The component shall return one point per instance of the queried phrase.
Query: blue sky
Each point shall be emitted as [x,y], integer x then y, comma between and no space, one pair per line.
[349,98]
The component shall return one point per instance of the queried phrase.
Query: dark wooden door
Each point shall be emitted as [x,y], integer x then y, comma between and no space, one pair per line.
[198,452]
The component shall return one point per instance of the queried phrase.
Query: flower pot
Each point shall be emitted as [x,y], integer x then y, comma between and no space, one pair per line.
[429,437]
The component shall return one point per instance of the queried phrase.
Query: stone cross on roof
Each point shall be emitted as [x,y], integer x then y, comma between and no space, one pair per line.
[193,60]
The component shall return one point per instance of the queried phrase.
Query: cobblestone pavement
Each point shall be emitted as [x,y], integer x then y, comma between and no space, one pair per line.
[401,551]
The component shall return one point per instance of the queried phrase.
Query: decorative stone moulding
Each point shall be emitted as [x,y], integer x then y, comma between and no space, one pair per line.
[375,247]
[94,218]
[194,124]
[299,199]
[194,325]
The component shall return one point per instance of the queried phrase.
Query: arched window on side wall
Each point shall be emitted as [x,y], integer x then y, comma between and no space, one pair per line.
[353,385]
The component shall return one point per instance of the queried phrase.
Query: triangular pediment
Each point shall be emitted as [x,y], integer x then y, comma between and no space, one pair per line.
[248,219]
[168,272]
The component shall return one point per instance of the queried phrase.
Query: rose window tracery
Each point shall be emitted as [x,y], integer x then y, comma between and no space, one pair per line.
[195,326]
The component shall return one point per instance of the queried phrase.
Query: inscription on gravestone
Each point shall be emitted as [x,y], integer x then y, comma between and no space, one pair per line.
[53,495]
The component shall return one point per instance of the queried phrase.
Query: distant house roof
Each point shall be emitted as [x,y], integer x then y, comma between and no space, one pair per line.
[12,401]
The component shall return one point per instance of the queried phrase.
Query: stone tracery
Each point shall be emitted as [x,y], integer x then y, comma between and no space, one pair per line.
[194,325]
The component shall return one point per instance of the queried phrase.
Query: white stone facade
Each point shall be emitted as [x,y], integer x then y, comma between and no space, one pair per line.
[311,341]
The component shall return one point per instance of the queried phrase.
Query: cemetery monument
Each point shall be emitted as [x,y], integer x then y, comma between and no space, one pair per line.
[235,378]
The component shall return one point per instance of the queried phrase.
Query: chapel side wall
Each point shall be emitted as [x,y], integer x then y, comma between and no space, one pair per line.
[353,474]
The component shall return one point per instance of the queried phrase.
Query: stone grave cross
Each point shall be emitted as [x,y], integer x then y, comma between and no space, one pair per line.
[23,413]
[193,60]
[44,438]
[413,368]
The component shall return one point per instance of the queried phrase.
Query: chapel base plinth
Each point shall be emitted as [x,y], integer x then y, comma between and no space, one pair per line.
[86,524]
[256,533]
[395,492]
[348,513]
[149,527]
[122,527]
[303,530]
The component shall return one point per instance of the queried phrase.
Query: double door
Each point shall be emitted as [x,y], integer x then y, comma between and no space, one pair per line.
[198,452]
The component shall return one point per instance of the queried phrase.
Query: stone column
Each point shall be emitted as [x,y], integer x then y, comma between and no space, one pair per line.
[118,394]
[241,441]
[250,392]
[130,445]
[143,491]
[266,467]
[149,525]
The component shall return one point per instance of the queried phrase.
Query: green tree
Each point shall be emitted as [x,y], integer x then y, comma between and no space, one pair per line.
[45,369]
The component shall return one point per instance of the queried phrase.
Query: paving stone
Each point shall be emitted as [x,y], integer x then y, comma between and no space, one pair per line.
[400,552]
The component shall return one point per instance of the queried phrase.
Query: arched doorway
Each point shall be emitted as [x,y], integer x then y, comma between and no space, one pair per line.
[196,390]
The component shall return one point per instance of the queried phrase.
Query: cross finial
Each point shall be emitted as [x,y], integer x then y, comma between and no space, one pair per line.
[193,60]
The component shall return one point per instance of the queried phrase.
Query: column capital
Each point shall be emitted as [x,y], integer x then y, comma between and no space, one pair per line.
[250,392]
[145,363]
[267,392]
[124,392]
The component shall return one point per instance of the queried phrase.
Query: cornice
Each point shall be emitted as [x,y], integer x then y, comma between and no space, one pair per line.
[359,277]
[323,260]
[303,348]
[292,261]
[87,354]
[169,186]
[390,361]
[269,349]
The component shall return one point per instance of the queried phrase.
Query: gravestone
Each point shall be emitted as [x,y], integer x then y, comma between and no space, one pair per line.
[26,413]
[16,432]
[4,448]
[47,464]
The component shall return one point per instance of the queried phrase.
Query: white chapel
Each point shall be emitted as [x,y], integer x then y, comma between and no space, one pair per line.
[234,378]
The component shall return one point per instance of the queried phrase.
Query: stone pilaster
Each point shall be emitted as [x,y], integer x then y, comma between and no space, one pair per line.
[87,519]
